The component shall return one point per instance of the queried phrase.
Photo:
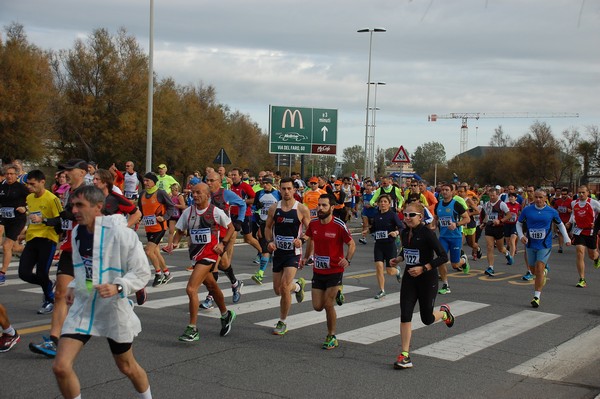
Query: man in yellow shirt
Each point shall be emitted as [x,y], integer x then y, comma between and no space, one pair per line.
[41,237]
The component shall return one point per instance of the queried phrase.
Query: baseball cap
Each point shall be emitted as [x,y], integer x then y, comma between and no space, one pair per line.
[162,166]
[75,164]
[313,179]
[498,187]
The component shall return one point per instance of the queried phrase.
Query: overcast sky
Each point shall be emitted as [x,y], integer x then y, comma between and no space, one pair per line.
[437,56]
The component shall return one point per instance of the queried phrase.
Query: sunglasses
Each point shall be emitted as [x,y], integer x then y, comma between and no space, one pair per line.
[411,214]
[211,180]
[414,185]
[312,183]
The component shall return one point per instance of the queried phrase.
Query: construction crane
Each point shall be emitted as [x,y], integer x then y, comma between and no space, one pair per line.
[464,116]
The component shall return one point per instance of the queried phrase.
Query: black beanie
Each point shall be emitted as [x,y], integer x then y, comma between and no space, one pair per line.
[151,176]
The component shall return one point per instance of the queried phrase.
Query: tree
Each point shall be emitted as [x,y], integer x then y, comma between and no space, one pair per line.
[500,139]
[380,161]
[539,151]
[26,94]
[427,155]
[353,159]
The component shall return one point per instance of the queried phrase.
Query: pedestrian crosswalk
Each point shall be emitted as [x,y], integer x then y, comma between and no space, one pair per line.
[260,307]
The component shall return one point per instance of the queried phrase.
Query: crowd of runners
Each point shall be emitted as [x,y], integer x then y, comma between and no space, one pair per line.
[86,215]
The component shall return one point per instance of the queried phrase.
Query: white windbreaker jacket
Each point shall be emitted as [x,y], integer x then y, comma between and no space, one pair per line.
[118,258]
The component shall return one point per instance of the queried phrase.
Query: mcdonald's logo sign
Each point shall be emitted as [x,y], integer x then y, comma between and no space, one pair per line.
[292,115]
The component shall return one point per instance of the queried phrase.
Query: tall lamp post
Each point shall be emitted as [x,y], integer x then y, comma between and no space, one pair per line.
[150,91]
[374,109]
[368,171]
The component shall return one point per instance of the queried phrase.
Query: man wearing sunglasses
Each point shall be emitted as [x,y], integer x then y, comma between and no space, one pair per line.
[394,192]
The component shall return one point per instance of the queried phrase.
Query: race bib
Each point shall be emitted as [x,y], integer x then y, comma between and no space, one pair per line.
[131,194]
[313,213]
[445,222]
[200,236]
[66,224]
[149,220]
[381,235]
[264,212]
[412,256]
[321,262]
[493,216]
[562,209]
[285,243]
[7,213]
[577,231]
[38,213]
[537,234]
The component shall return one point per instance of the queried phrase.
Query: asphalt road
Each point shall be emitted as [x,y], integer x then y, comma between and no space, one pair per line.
[499,347]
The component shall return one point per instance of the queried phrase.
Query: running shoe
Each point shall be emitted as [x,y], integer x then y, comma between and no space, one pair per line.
[403,362]
[560,250]
[535,302]
[528,276]
[597,263]
[399,274]
[47,308]
[157,280]
[190,334]
[164,249]
[490,271]
[226,322]
[380,295]
[582,283]
[257,259]
[509,259]
[190,268]
[46,348]
[444,290]
[280,328]
[363,240]
[479,253]
[141,296]
[208,303]
[166,278]
[2,278]
[300,294]
[237,291]
[466,268]
[331,342]
[339,297]
[449,316]
[258,279]
[8,341]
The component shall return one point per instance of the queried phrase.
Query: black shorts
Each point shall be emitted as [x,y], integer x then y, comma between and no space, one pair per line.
[65,264]
[155,237]
[116,348]
[246,228]
[262,241]
[494,231]
[13,227]
[586,241]
[279,262]
[324,281]
[509,230]
[384,251]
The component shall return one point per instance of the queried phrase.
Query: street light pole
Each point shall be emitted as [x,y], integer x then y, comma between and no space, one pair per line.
[150,91]
[368,172]
[372,138]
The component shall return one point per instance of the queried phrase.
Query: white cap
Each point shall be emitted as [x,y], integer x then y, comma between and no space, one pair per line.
[498,187]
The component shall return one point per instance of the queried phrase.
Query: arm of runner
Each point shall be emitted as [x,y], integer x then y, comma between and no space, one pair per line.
[269,228]
[522,237]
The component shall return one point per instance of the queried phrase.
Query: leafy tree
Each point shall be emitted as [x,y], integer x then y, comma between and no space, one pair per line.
[539,151]
[427,155]
[500,139]
[353,159]
[26,93]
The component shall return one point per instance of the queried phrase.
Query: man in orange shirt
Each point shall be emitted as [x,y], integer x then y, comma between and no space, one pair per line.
[311,197]
[429,196]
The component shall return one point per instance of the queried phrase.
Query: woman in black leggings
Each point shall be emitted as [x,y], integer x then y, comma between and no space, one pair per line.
[422,253]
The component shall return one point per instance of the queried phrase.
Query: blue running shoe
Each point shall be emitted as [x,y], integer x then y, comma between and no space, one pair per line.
[46,348]
[509,259]
[528,276]
[489,271]
[237,291]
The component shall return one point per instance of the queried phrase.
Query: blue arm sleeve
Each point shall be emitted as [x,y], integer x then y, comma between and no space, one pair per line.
[234,199]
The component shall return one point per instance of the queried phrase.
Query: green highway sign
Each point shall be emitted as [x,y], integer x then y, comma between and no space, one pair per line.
[298,130]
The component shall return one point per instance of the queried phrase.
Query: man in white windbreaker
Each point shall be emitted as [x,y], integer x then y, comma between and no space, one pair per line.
[109,264]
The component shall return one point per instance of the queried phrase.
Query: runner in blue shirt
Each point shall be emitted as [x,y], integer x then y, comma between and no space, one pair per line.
[538,241]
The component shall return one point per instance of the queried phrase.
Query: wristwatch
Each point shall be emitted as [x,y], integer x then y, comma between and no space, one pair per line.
[119,288]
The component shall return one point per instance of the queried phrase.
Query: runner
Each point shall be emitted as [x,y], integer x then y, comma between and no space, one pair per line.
[386,228]
[164,181]
[394,192]
[311,197]
[204,222]
[538,241]
[368,212]
[245,192]
[420,282]
[451,216]
[283,232]
[326,238]
[156,208]
[264,199]
[563,205]
[496,214]
[585,211]
[470,230]
[132,183]
[13,215]
[41,237]
[510,230]
[98,297]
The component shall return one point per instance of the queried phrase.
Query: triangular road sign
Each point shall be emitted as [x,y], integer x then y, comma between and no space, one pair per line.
[222,158]
[401,156]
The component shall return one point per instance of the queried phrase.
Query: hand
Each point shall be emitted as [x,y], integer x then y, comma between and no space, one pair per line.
[271,247]
[301,263]
[524,240]
[394,261]
[21,209]
[70,296]
[568,243]
[106,290]
[344,263]
[298,243]
[219,248]
[416,271]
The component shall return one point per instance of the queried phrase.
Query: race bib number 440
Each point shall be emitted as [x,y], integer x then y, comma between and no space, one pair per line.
[200,236]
